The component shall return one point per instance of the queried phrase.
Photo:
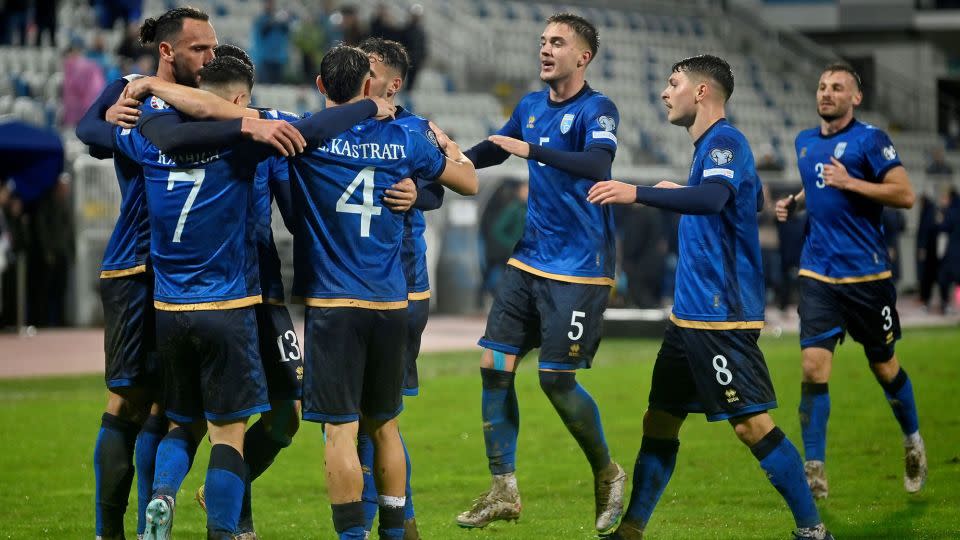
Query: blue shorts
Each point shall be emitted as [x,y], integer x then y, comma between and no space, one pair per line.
[721,373]
[354,363]
[418,311]
[211,363]
[867,310]
[564,319]
[129,331]
[280,352]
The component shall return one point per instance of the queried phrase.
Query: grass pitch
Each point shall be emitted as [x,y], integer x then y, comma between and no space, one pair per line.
[718,491]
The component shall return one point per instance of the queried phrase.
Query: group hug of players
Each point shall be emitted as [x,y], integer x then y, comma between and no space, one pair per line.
[198,338]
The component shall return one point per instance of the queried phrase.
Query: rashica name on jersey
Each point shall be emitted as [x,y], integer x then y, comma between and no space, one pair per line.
[341,147]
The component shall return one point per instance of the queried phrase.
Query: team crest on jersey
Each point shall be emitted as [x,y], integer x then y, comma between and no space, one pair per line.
[721,156]
[607,123]
[530,121]
[157,103]
[432,137]
[838,149]
[889,152]
[566,123]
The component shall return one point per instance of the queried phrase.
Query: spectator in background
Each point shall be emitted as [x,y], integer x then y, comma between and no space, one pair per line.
[311,38]
[893,225]
[501,226]
[17,222]
[352,31]
[127,11]
[45,16]
[270,43]
[938,163]
[82,82]
[52,255]
[130,50]
[928,263]
[767,158]
[98,53]
[950,265]
[13,22]
[643,248]
[414,38]
[382,25]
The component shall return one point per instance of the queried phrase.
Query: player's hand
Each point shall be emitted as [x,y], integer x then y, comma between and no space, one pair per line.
[448,146]
[612,192]
[277,133]
[384,109]
[835,175]
[124,113]
[666,184]
[401,196]
[514,146]
[139,88]
[785,206]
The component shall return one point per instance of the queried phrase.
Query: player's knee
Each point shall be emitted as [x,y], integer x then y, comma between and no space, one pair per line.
[883,363]
[661,424]
[491,359]
[557,383]
[129,404]
[816,363]
[751,429]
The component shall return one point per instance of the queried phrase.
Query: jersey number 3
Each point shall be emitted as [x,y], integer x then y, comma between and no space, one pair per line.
[366,210]
[185,175]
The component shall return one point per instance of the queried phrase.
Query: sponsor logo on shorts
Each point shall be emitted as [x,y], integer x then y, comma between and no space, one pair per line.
[300,373]
[731,395]
[575,350]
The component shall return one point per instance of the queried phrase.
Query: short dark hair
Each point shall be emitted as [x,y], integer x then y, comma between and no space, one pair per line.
[225,49]
[844,66]
[342,71]
[226,70]
[169,24]
[711,66]
[392,53]
[582,27]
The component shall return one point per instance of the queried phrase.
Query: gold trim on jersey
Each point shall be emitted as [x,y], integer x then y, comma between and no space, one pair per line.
[842,281]
[422,295]
[208,306]
[561,277]
[354,303]
[716,325]
[109,274]
[274,301]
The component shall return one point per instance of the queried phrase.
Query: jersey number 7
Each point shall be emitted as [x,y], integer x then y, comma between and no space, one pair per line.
[185,175]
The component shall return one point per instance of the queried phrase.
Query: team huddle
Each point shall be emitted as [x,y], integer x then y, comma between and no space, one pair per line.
[198,338]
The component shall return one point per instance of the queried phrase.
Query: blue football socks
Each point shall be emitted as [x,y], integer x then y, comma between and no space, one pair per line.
[651,473]
[113,472]
[174,459]
[579,413]
[348,520]
[369,495]
[899,394]
[781,461]
[146,457]
[814,413]
[501,419]
[225,485]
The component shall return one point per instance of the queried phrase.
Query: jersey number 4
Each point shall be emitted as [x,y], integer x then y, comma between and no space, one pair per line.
[366,210]
[185,175]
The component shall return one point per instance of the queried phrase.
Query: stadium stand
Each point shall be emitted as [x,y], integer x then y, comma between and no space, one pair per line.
[482,58]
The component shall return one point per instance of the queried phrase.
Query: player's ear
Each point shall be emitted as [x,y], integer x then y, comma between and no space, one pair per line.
[366,86]
[857,98]
[395,85]
[320,86]
[166,51]
[585,58]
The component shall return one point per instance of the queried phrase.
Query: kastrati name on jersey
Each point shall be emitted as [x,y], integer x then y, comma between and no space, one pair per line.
[342,147]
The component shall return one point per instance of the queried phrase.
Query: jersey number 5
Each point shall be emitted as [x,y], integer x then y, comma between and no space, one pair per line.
[366,210]
[185,175]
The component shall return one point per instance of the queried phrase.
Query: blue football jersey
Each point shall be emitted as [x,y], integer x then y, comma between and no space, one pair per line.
[719,274]
[346,244]
[413,252]
[202,222]
[270,172]
[843,242]
[565,237]
[129,245]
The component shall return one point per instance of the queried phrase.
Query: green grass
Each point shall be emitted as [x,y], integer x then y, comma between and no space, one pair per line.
[718,490]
